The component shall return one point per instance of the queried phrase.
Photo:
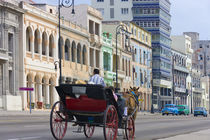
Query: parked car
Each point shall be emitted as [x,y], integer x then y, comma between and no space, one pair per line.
[200,111]
[183,109]
[170,109]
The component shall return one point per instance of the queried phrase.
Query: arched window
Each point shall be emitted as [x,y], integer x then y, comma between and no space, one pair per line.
[28,40]
[78,53]
[73,51]
[36,41]
[60,47]
[44,43]
[67,47]
[51,45]
[84,55]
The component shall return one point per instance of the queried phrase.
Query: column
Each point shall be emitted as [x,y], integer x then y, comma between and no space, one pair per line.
[47,94]
[40,92]
[94,58]
[100,59]
[33,92]
[54,92]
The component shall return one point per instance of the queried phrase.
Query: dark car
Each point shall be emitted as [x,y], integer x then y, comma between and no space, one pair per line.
[200,111]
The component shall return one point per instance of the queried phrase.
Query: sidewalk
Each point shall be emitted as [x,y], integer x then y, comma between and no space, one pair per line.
[24,113]
[47,112]
[147,113]
[200,135]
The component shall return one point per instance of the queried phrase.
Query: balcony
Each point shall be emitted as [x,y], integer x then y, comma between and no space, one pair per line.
[94,39]
[181,68]
[109,74]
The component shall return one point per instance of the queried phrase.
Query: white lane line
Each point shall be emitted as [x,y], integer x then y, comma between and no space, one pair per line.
[25,138]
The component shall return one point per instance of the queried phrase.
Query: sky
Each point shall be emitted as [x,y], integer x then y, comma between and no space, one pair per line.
[186,16]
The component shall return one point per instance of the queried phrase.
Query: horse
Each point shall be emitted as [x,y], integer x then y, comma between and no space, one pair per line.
[132,101]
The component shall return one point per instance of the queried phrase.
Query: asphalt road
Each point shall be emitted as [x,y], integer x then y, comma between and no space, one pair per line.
[148,127]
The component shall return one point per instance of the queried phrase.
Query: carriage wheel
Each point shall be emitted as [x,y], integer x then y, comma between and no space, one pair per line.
[110,123]
[130,128]
[89,130]
[58,121]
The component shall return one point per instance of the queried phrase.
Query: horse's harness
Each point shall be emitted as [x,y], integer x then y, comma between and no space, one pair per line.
[135,97]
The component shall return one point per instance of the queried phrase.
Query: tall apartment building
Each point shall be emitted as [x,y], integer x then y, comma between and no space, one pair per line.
[114,10]
[154,16]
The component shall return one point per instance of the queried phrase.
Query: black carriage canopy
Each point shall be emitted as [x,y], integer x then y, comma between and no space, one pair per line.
[74,90]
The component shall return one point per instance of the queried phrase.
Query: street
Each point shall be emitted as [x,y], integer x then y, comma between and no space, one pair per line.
[148,127]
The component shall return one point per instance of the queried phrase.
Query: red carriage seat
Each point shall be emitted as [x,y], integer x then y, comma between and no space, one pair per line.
[83,103]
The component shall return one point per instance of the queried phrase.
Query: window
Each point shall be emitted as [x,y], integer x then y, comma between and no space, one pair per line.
[124,0]
[51,11]
[101,10]
[10,42]
[100,0]
[111,12]
[111,2]
[124,11]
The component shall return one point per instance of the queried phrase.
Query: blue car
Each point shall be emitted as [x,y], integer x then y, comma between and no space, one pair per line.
[200,111]
[170,109]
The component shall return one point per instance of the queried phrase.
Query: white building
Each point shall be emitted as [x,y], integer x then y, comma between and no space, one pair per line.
[114,10]
[205,83]
[183,44]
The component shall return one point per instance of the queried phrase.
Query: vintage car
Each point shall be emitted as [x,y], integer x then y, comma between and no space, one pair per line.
[183,109]
[170,109]
[200,111]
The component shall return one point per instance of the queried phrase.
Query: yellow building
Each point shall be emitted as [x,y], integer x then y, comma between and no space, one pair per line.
[38,54]
[81,43]
[141,63]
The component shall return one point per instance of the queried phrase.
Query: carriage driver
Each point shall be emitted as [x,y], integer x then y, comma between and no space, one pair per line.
[96,78]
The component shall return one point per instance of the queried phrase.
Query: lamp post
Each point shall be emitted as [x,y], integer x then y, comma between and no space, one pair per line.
[191,90]
[66,4]
[119,29]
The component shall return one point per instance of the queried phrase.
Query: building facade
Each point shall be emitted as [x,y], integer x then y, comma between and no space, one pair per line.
[180,73]
[142,64]
[123,55]
[11,16]
[154,16]
[107,50]
[205,83]
[38,54]
[203,49]
[114,10]
[197,68]
[182,43]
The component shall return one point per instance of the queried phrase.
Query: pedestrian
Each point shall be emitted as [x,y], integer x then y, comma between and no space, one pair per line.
[96,78]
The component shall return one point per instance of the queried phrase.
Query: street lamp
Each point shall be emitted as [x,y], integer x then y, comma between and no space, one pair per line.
[119,30]
[66,4]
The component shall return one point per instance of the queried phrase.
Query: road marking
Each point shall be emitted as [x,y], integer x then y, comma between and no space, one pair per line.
[25,138]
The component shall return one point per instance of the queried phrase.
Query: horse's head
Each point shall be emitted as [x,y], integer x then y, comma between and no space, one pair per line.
[135,90]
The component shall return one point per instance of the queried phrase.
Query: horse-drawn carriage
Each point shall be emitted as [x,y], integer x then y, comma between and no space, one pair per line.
[89,106]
